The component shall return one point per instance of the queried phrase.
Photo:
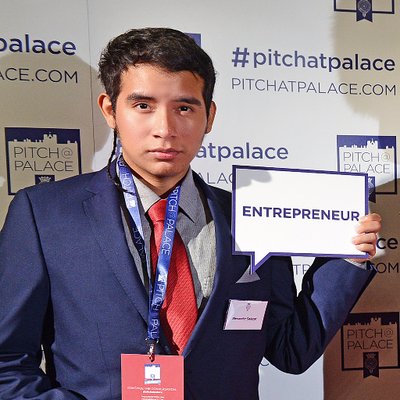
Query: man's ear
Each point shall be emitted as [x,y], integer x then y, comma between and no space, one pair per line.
[104,102]
[211,116]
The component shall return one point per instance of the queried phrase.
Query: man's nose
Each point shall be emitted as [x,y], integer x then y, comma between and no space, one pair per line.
[164,123]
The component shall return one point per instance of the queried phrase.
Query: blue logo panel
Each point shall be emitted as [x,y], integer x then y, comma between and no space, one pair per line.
[373,155]
[370,342]
[40,155]
[364,9]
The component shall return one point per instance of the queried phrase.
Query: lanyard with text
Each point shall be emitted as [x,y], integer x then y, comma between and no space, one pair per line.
[158,290]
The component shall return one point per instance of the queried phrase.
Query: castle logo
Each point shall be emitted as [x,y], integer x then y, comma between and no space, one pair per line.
[373,155]
[39,155]
[370,342]
[364,9]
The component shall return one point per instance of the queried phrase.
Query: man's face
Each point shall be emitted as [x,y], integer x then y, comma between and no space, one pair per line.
[161,120]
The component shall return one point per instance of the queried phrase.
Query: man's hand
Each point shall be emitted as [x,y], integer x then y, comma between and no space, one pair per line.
[367,234]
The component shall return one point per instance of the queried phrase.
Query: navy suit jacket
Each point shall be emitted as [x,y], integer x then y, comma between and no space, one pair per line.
[69,283]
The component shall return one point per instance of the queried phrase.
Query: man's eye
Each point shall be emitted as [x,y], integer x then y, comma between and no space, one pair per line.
[142,106]
[184,108]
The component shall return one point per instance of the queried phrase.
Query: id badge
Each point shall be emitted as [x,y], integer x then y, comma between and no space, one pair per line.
[142,379]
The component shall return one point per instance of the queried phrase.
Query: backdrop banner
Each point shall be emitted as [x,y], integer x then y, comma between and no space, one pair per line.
[307,85]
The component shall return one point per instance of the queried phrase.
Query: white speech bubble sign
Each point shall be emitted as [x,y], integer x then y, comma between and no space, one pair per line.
[296,212]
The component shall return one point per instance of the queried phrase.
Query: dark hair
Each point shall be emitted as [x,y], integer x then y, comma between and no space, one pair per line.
[166,48]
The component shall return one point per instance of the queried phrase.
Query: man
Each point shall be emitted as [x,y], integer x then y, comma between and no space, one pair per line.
[76,274]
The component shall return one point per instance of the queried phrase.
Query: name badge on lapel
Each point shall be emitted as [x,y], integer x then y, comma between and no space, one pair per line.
[245,314]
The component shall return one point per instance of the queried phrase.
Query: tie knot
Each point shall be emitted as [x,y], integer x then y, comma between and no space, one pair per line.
[157,211]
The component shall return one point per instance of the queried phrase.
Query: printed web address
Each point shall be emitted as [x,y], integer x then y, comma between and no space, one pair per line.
[41,75]
[294,86]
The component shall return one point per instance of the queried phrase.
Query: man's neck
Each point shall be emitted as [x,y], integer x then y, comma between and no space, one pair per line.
[161,187]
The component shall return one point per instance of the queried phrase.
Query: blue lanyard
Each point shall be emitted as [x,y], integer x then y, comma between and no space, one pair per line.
[157,291]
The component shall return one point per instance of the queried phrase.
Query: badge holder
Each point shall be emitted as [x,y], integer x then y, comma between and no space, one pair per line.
[151,376]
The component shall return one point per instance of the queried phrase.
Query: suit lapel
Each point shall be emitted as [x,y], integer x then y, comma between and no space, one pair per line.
[103,211]
[229,269]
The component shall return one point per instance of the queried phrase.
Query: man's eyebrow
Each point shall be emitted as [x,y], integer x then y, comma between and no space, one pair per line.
[139,97]
[190,100]
[142,97]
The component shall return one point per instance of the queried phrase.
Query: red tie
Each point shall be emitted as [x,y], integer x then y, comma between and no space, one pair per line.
[179,311]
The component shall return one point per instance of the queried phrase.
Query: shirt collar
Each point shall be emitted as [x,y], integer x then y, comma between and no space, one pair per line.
[189,201]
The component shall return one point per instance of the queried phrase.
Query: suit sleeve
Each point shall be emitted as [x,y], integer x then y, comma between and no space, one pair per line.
[24,300]
[300,326]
